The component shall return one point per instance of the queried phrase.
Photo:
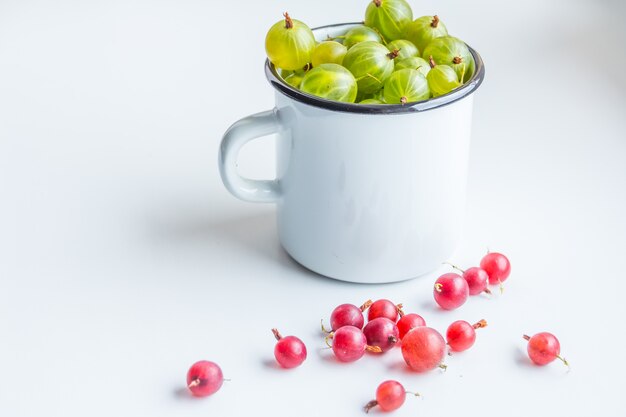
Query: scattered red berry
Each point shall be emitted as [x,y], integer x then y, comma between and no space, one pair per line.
[390,395]
[381,332]
[497,267]
[408,322]
[477,279]
[348,315]
[384,308]
[423,349]
[461,335]
[289,351]
[543,348]
[204,378]
[450,291]
[349,344]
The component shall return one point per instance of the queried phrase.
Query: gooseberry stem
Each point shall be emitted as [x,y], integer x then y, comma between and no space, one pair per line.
[377,2]
[457,60]
[435,22]
[455,267]
[563,360]
[431,61]
[403,100]
[277,334]
[288,21]
[526,337]
[366,305]
[481,324]
[417,394]
[370,405]
[324,330]
[393,54]
[327,338]
[399,310]
[194,383]
[373,349]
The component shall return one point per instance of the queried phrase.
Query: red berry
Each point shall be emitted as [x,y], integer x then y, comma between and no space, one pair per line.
[381,332]
[497,267]
[461,335]
[348,315]
[450,291]
[390,395]
[477,280]
[423,349]
[543,348]
[408,322]
[289,351]
[384,308]
[204,378]
[350,344]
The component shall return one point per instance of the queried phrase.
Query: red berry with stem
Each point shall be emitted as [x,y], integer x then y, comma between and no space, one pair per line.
[408,322]
[204,378]
[384,308]
[477,279]
[289,351]
[423,349]
[450,291]
[543,348]
[461,335]
[390,395]
[381,332]
[497,267]
[348,315]
[349,344]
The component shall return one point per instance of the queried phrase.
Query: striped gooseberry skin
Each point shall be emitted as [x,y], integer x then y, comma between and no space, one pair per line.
[289,44]
[390,17]
[360,34]
[406,86]
[442,79]
[406,49]
[328,52]
[331,82]
[451,51]
[371,63]
[423,30]
[414,62]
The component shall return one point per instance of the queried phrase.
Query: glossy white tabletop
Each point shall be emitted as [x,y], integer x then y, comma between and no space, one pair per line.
[123,259]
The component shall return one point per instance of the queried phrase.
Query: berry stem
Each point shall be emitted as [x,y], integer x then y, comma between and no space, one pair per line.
[277,335]
[443,366]
[403,100]
[194,383]
[377,2]
[417,394]
[454,266]
[366,305]
[370,405]
[327,338]
[393,54]
[288,21]
[481,324]
[431,61]
[435,22]
[373,349]
[400,306]
[457,60]
[526,337]
[563,360]
[438,287]
[324,330]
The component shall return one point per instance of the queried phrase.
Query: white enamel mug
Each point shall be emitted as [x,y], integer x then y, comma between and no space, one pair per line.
[364,193]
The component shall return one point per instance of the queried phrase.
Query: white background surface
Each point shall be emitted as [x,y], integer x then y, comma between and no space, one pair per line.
[123,259]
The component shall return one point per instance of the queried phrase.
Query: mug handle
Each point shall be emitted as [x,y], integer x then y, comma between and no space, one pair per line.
[241,132]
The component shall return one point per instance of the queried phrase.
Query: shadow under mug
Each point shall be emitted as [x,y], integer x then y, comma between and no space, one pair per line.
[364,193]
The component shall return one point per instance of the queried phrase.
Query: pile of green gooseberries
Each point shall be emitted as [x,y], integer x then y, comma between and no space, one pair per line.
[390,59]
